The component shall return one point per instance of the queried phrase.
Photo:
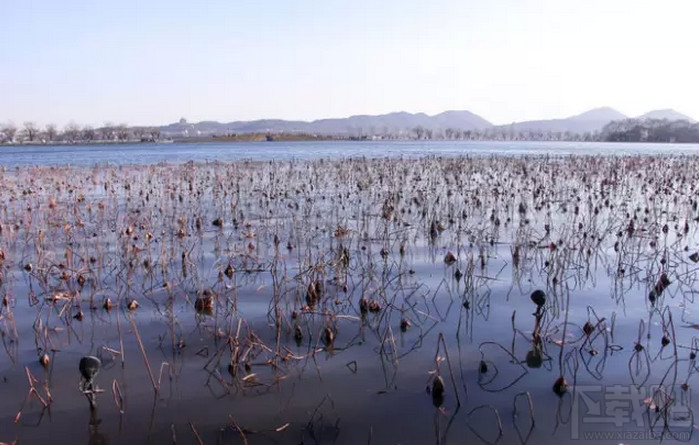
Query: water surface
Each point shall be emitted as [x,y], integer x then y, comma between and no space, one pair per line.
[116,154]
[596,233]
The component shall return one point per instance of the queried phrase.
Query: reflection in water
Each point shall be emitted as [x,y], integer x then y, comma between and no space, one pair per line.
[95,437]
[272,301]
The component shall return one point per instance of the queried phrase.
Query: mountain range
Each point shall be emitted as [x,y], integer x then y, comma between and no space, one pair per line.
[402,122]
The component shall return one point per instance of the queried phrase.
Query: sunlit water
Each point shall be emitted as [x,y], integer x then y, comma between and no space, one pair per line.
[201,152]
[125,229]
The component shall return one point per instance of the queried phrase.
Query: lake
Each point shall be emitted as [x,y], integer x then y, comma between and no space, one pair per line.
[116,154]
[317,293]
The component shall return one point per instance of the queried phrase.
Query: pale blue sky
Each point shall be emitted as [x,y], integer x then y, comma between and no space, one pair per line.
[152,62]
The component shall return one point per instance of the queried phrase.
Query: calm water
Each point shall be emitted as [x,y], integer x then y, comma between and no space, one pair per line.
[177,152]
[379,230]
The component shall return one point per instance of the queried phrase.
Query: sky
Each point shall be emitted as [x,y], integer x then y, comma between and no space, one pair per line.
[152,62]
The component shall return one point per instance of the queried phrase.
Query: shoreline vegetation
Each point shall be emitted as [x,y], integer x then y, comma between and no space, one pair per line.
[627,130]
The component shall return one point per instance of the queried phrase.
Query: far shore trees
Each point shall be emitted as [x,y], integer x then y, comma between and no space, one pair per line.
[30,131]
[651,130]
[107,132]
[139,132]
[625,130]
[122,132]
[9,130]
[71,132]
[88,133]
[51,132]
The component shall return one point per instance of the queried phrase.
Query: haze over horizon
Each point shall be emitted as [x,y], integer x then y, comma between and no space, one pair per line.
[505,60]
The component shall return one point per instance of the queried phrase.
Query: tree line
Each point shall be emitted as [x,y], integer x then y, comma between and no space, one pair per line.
[651,130]
[31,133]
[504,133]
[627,130]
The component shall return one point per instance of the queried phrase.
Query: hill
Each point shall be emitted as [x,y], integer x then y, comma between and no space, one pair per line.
[354,125]
[667,114]
[589,121]
[446,125]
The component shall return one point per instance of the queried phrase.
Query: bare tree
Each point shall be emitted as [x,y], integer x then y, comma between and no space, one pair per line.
[72,132]
[51,132]
[88,133]
[139,132]
[9,130]
[122,132]
[155,133]
[107,131]
[419,131]
[30,130]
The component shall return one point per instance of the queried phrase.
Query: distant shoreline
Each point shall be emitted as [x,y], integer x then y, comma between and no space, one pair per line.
[236,138]
[40,143]
[303,138]
[259,137]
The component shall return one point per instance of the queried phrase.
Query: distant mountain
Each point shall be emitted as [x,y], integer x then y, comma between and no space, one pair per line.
[589,121]
[668,114]
[392,122]
[397,122]
[599,114]
[208,128]
[403,124]
[353,125]
[463,120]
